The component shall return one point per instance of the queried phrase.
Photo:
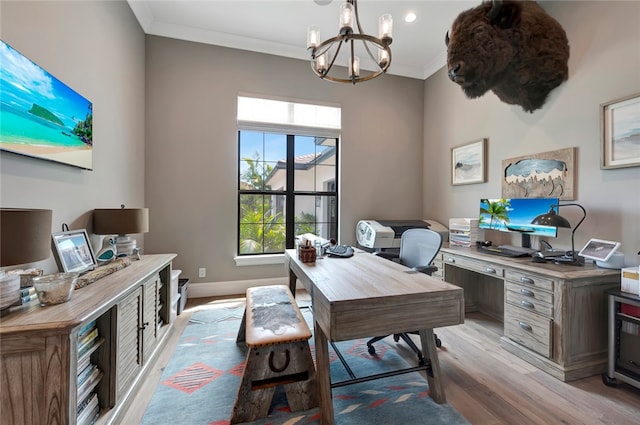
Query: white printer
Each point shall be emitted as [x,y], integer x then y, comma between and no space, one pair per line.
[379,234]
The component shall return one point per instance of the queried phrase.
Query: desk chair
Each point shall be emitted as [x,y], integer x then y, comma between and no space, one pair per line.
[418,248]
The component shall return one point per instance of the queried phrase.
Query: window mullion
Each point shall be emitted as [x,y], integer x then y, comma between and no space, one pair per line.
[290,198]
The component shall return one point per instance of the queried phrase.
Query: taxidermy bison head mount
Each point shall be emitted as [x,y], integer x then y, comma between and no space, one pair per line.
[513,48]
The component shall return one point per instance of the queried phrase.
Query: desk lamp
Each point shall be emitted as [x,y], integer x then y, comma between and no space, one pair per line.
[121,221]
[551,218]
[25,237]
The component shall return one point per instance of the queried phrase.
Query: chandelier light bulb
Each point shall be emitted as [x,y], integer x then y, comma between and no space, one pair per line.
[321,63]
[354,67]
[346,18]
[313,37]
[385,27]
[383,58]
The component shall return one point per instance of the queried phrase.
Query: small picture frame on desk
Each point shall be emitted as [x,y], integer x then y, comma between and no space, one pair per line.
[468,163]
[72,251]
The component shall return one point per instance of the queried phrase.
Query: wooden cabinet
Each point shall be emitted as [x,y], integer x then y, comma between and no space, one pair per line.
[554,315]
[40,356]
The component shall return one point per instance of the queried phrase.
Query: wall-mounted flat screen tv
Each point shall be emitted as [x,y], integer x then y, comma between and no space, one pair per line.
[40,116]
[517,215]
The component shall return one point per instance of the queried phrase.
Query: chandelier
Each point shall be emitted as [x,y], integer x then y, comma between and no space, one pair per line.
[324,54]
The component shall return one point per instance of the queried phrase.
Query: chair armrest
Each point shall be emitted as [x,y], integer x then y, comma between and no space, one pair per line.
[426,269]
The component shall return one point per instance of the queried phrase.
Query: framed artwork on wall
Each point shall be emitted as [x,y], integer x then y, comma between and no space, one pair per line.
[468,163]
[542,175]
[620,133]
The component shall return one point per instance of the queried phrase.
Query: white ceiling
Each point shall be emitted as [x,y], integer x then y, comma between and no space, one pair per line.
[280,27]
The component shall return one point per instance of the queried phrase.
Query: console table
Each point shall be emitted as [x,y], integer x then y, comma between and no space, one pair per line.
[554,315]
[42,350]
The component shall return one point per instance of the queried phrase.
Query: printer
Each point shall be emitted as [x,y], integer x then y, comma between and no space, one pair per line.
[381,234]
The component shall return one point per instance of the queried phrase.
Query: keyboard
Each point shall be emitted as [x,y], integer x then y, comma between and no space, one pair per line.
[340,251]
[503,251]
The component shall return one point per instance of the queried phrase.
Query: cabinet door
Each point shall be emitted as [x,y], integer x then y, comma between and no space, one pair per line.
[150,317]
[129,354]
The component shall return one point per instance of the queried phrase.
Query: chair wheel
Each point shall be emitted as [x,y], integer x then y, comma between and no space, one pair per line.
[396,337]
[438,343]
[371,349]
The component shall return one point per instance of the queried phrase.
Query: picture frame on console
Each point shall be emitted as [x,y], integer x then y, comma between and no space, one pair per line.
[468,163]
[72,251]
[620,132]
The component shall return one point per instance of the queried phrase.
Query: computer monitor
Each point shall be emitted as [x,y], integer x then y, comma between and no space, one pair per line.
[517,215]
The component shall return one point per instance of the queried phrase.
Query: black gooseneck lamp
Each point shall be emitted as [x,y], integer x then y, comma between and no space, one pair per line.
[552,218]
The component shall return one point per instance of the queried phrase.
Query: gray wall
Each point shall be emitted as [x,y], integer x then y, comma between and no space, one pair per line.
[96,48]
[192,148]
[396,140]
[605,65]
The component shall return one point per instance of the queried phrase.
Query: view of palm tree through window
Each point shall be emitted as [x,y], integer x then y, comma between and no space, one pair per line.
[287,186]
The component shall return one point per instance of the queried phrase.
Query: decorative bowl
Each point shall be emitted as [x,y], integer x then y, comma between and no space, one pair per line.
[55,288]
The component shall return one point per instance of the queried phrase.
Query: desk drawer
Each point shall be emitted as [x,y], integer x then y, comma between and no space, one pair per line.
[529,329]
[529,298]
[474,265]
[530,280]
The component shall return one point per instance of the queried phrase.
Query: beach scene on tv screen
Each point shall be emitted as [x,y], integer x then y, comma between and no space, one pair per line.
[516,215]
[41,116]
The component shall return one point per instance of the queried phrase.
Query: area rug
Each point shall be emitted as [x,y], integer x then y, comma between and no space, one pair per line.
[199,383]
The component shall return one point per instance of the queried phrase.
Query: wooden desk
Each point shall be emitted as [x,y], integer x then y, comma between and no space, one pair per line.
[555,316]
[365,296]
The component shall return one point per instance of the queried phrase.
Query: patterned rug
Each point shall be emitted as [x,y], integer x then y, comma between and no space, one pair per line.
[199,384]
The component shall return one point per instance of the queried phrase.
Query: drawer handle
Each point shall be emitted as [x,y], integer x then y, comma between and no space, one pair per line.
[525,326]
[527,292]
[527,304]
[451,260]
[527,280]
[490,270]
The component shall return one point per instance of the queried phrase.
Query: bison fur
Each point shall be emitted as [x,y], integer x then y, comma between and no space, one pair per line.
[513,48]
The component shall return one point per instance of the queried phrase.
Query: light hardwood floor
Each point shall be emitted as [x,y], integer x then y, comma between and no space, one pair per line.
[483,382]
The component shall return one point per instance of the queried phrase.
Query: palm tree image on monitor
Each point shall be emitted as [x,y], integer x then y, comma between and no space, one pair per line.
[497,210]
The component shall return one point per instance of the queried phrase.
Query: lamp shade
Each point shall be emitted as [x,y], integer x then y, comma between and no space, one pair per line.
[120,221]
[25,235]
[551,219]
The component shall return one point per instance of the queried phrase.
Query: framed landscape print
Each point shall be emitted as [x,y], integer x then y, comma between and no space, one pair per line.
[468,163]
[620,129]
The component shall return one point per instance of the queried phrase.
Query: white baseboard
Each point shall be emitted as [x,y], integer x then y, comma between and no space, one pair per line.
[236,287]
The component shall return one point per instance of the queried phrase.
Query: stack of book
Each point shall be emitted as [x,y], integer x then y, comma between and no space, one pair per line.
[89,375]
[27,295]
[463,231]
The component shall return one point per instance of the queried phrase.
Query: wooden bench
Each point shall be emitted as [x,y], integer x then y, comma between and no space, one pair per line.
[278,339]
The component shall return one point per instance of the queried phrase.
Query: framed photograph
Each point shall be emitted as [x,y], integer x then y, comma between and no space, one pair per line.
[620,129]
[72,251]
[542,175]
[468,163]
[600,250]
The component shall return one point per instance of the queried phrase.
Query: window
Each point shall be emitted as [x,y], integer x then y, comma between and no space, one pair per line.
[288,176]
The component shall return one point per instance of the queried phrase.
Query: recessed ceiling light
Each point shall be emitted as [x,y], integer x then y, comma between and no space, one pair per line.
[410,17]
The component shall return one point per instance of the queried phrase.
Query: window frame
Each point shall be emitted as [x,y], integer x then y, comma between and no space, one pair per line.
[290,194]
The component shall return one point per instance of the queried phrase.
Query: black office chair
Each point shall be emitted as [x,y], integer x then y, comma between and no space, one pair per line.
[418,248]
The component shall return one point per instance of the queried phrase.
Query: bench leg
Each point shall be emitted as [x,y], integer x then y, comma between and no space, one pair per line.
[243,327]
[288,364]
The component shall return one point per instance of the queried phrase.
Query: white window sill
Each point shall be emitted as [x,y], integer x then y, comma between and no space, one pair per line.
[259,260]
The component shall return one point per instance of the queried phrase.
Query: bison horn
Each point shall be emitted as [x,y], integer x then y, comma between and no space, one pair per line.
[495,9]
[446,39]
